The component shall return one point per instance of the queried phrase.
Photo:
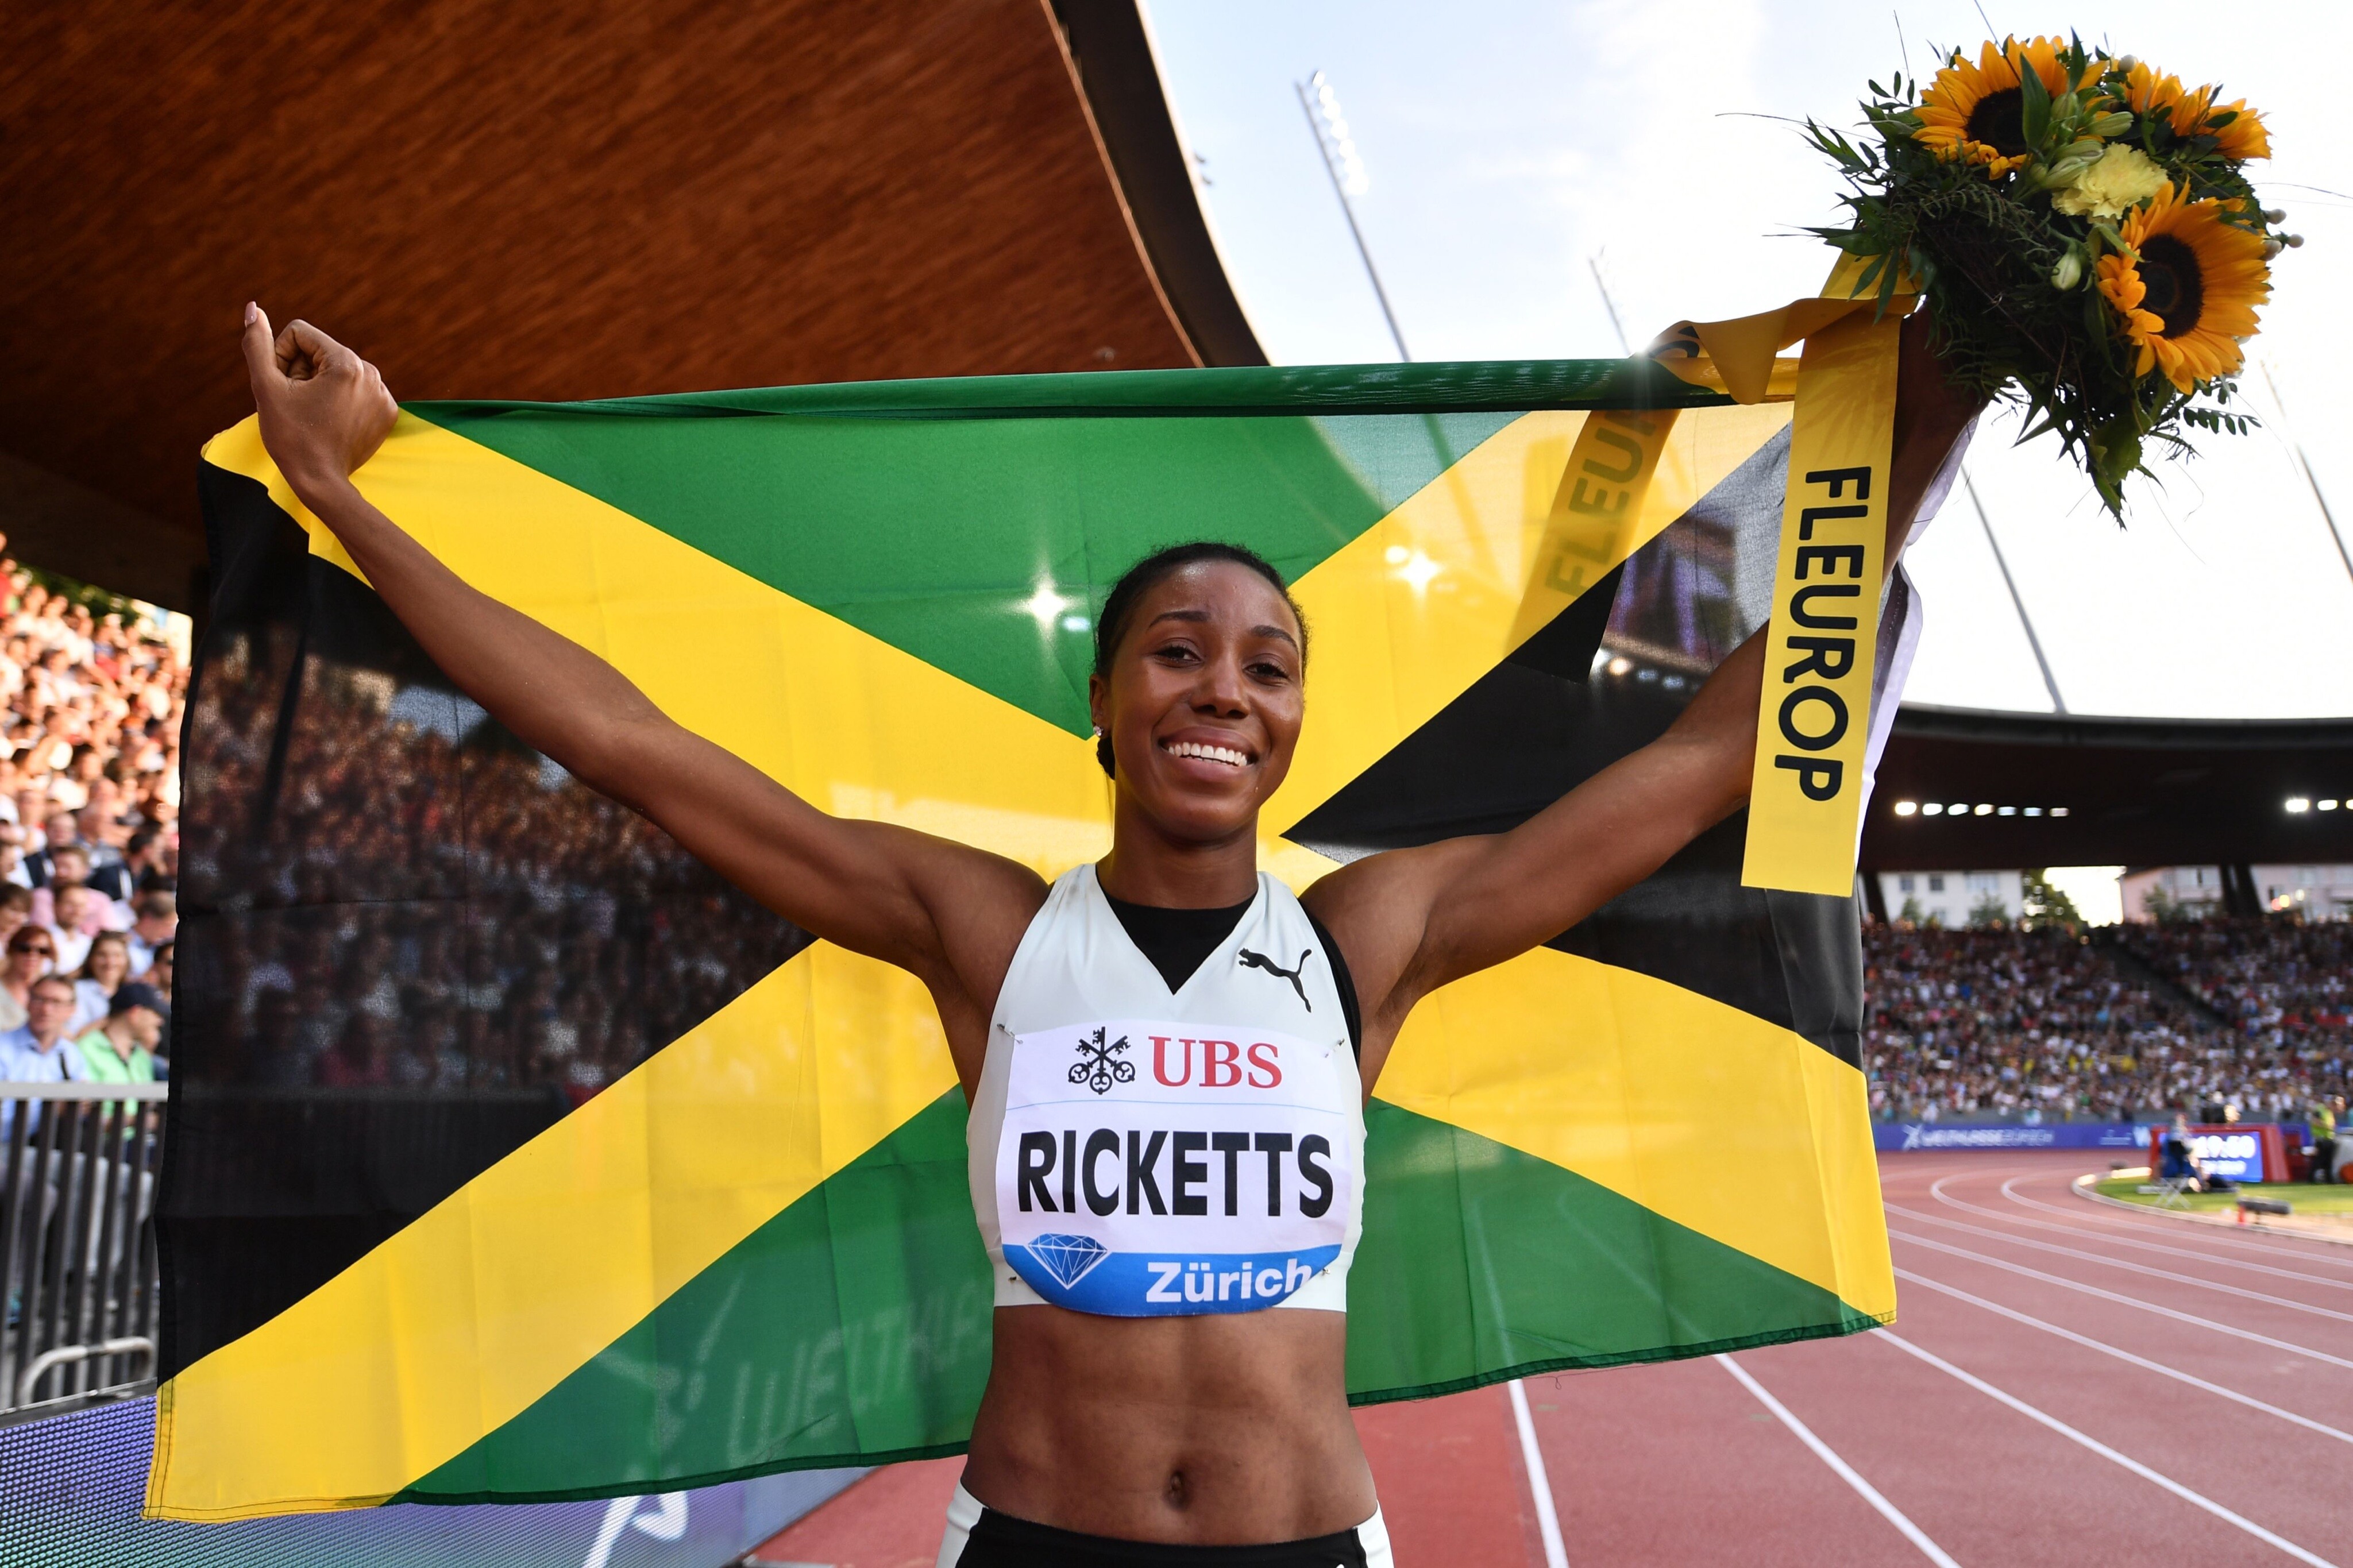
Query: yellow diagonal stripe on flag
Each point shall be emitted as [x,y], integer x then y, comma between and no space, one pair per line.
[1406,616]
[1713,1117]
[474,1311]
[841,717]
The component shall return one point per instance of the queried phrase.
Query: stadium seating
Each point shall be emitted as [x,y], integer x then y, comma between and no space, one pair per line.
[2004,1022]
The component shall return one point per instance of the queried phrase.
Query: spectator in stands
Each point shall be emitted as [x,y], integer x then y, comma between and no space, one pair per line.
[122,1048]
[73,922]
[101,974]
[101,830]
[156,918]
[148,860]
[64,864]
[35,1050]
[57,838]
[28,809]
[32,954]
[16,909]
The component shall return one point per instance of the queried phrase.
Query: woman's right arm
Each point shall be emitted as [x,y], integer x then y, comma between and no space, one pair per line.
[940,908]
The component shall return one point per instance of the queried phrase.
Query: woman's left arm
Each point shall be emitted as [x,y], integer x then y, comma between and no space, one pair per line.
[1412,920]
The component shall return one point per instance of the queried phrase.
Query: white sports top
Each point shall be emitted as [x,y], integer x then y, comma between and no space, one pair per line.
[1138,1153]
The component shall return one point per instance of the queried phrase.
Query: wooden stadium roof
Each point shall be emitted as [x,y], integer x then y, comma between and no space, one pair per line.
[497,201]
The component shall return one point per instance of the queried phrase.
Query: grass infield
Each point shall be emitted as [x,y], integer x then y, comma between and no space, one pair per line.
[2307,1198]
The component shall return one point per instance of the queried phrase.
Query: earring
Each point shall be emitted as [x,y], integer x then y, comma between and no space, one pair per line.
[1098,734]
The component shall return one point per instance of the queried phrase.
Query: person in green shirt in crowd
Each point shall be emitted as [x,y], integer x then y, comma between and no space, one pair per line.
[122,1048]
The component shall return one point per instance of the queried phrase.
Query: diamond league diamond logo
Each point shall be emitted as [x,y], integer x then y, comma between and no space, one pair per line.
[1068,1258]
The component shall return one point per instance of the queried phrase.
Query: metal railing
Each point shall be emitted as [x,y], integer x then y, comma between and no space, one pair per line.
[78,1276]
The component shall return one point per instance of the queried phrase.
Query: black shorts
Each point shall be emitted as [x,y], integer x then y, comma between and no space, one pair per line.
[999,1541]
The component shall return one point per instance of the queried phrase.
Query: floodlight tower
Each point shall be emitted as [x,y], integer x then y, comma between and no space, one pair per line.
[1342,161]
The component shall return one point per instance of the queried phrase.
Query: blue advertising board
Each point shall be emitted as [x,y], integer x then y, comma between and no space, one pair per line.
[70,1487]
[1899,1136]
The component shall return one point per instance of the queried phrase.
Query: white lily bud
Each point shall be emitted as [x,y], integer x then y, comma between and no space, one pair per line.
[2126,62]
[2275,215]
[2068,272]
[2113,124]
[2272,247]
[2295,241]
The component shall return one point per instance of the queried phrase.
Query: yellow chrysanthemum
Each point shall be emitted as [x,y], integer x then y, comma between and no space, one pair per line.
[2192,294]
[2118,180]
[1973,111]
[2151,92]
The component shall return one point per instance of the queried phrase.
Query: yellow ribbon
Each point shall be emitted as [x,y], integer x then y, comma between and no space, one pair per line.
[1814,714]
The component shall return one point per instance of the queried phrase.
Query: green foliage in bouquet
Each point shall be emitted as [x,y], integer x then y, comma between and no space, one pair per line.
[2083,231]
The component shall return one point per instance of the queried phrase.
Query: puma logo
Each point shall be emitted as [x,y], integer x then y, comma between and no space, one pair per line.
[1259,961]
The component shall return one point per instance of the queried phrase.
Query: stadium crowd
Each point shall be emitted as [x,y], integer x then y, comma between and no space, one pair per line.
[426,904]
[2005,1022]
[89,732]
[2288,983]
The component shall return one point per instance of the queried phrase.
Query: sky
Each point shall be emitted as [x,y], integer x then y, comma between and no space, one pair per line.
[1509,147]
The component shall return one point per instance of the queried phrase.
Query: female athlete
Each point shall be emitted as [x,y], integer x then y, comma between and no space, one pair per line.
[1166,1054]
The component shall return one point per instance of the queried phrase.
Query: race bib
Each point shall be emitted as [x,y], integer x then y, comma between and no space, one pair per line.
[1148,1169]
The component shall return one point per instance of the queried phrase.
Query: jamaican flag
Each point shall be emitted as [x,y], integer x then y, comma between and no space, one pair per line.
[516,1156]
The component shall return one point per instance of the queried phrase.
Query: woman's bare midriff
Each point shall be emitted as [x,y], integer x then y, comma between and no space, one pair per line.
[1228,1429]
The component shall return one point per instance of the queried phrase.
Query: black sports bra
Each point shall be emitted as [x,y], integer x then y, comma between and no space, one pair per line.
[1179,941]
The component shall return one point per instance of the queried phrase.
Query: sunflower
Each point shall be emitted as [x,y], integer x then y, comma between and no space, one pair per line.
[2188,291]
[2149,91]
[2242,139]
[1974,111]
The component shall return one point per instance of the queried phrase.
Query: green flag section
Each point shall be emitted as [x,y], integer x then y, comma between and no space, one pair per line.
[517,1157]
[895,1229]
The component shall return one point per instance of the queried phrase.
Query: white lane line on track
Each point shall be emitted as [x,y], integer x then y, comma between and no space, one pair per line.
[2125,1355]
[2111,1218]
[1844,1472]
[2313,1250]
[2196,1499]
[1539,1479]
[1939,1193]
[2172,1275]
[2123,1301]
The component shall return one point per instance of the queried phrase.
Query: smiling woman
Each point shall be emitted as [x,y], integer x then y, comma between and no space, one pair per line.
[1119,613]
[1166,1053]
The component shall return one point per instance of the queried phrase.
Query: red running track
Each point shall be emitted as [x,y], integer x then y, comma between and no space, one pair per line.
[2187,1395]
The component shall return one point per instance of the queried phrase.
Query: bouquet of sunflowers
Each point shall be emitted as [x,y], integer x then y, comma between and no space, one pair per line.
[2082,229]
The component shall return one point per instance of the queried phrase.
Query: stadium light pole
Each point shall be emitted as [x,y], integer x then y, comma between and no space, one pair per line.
[2050,681]
[1338,150]
[1608,304]
[2310,478]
